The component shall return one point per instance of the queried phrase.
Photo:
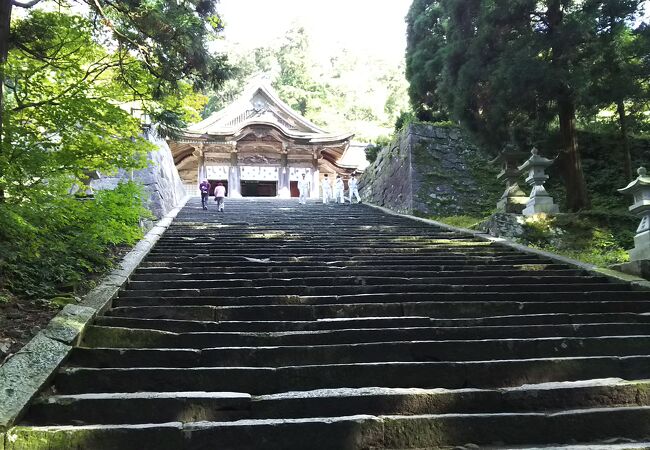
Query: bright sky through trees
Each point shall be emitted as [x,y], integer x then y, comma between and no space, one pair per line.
[375,27]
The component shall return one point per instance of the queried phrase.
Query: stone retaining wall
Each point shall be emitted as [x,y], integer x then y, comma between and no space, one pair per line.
[161,180]
[431,170]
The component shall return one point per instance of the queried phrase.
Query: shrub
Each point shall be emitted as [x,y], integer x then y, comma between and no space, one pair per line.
[55,244]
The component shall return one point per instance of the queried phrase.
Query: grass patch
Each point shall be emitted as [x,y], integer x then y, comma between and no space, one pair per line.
[462,221]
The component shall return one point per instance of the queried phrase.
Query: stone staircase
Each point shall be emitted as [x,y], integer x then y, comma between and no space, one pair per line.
[281,326]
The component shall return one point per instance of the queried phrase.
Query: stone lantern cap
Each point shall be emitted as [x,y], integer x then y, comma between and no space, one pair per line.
[640,189]
[536,161]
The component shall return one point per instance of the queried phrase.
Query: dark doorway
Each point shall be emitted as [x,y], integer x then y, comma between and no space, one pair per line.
[213,184]
[259,189]
[293,187]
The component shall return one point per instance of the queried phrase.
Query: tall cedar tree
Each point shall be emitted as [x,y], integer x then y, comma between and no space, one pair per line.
[508,64]
[424,62]
[619,72]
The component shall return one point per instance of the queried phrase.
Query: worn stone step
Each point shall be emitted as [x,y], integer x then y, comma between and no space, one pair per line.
[403,233]
[180,326]
[279,289]
[98,336]
[218,274]
[379,401]
[209,406]
[186,299]
[394,258]
[383,351]
[139,407]
[348,432]
[248,267]
[337,246]
[272,380]
[306,325]
[236,281]
[440,309]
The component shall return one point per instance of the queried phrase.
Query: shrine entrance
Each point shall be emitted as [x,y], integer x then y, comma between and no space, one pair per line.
[255,188]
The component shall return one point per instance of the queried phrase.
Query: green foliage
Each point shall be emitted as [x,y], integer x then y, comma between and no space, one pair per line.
[602,161]
[53,242]
[170,38]
[373,150]
[62,108]
[70,82]
[403,120]
[461,221]
[597,237]
[425,40]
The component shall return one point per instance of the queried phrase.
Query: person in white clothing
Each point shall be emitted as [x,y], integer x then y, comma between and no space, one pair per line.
[339,190]
[219,194]
[327,189]
[353,189]
[303,188]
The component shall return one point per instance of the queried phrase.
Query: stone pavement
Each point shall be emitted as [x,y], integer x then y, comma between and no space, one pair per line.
[276,325]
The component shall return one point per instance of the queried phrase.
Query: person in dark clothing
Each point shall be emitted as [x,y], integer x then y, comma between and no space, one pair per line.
[204,187]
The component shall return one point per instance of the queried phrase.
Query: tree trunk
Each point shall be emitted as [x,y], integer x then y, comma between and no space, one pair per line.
[574,180]
[627,157]
[5,23]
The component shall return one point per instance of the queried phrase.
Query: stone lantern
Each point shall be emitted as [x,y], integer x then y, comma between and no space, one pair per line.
[539,201]
[513,198]
[640,190]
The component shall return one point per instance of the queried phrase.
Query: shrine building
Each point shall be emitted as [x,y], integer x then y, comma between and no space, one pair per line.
[259,147]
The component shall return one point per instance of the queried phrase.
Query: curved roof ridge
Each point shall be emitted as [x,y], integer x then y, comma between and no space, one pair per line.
[242,104]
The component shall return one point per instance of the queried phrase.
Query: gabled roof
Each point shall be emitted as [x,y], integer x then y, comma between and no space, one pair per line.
[260,104]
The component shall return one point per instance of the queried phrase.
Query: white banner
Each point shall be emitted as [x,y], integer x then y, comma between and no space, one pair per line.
[259,173]
[217,172]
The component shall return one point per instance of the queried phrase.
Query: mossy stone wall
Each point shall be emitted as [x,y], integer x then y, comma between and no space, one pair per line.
[433,171]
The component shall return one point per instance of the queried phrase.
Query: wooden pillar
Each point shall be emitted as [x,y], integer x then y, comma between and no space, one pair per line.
[315,179]
[284,186]
[234,180]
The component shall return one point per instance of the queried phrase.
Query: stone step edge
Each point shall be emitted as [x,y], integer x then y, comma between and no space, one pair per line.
[343,392]
[272,334]
[405,342]
[370,431]
[277,369]
[283,405]
[24,374]
[342,320]
[634,281]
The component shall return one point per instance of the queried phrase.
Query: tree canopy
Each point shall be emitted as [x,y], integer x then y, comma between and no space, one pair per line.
[77,77]
[524,68]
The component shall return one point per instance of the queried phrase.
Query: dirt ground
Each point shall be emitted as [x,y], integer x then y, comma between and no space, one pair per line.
[20,320]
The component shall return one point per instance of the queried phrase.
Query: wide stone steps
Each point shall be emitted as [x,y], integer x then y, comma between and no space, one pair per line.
[282,326]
